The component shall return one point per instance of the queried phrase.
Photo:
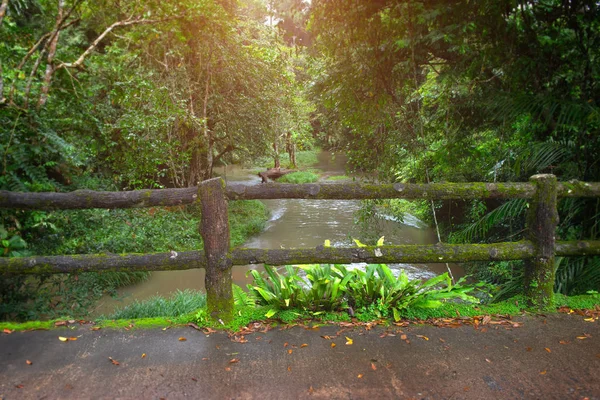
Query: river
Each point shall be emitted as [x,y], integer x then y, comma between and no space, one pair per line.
[294,223]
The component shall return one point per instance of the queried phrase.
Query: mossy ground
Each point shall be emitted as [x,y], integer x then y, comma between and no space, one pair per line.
[246,315]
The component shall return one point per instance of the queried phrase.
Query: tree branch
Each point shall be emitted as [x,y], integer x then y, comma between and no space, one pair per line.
[78,63]
[3,8]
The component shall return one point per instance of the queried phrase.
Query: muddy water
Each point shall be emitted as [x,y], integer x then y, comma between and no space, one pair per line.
[293,224]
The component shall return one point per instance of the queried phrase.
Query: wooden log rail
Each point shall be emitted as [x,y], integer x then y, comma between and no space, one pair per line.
[538,250]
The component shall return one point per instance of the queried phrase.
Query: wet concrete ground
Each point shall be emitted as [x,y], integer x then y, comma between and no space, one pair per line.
[542,359]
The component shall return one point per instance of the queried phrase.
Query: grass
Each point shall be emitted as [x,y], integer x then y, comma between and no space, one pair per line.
[339,178]
[180,303]
[244,315]
[299,177]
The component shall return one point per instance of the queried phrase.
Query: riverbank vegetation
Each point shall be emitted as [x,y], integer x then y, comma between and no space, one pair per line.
[106,96]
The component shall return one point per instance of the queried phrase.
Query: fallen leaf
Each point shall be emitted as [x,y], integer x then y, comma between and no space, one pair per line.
[543,372]
[182,339]
[165,328]
[442,340]
[290,351]
[360,376]
[581,337]
[564,342]
[486,320]
[95,328]
[423,337]
[143,355]
[303,345]
[348,341]
[286,344]
[227,369]
[63,339]
[488,360]
[195,380]
[19,386]
[28,362]
[589,319]
[234,360]
[311,390]
[466,388]
[403,337]
[112,360]
[548,350]
[60,323]
[528,349]
[326,337]
[332,345]
[208,331]
[7,331]
[373,367]
[72,338]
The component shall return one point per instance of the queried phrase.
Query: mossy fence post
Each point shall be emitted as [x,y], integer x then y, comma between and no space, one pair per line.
[542,219]
[214,228]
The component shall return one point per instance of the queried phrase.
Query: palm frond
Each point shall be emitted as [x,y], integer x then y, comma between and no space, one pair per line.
[479,229]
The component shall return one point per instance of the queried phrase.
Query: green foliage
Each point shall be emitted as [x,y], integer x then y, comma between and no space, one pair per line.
[332,287]
[339,178]
[180,303]
[299,177]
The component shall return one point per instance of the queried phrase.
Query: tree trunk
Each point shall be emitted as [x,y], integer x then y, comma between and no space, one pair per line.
[290,147]
[276,160]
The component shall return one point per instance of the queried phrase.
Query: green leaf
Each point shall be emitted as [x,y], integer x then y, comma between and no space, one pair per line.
[270,313]
[358,243]
[380,241]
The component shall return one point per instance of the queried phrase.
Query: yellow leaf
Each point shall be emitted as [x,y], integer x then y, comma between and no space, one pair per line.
[143,355]
[589,319]
[358,243]
[62,339]
[327,243]
[380,241]
[423,337]
[543,372]
[332,345]
[360,376]
[348,341]
[182,339]
[581,337]
[303,345]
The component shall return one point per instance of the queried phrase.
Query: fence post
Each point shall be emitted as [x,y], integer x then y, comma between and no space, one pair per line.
[542,219]
[214,228]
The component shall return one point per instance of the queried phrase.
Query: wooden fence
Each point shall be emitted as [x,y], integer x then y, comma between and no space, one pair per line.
[539,248]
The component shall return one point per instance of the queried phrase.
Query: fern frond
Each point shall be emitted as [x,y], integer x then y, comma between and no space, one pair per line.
[479,229]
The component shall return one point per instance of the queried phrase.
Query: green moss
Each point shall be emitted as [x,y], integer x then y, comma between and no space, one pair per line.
[26,326]
[339,178]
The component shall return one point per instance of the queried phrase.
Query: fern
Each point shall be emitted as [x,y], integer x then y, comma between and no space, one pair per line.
[479,229]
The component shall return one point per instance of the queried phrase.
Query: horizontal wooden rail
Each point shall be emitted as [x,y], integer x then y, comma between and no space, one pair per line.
[439,253]
[82,199]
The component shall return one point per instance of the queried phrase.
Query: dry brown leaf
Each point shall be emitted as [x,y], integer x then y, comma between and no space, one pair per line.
[208,331]
[423,337]
[303,345]
[543,372]
[360,376]
[60,323]
[95,328]
[442,340]
[487,360]
[548,350]
[564,342]
[403,337]
[7,331]
[19,386]
[289,369]
[143,355]
[182,339]
[234,360]
[28,362]
[528,349]
[311,390]
[227,369]
[332,345]
[72,338]
[286,344]
[290,351]
[112,360]
[373,367]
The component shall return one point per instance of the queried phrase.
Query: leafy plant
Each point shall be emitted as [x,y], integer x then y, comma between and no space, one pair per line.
[180,303]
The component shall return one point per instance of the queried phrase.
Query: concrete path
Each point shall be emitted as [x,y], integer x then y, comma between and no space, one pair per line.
[557,357]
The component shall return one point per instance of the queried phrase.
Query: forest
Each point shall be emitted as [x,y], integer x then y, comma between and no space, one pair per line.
[129,94]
